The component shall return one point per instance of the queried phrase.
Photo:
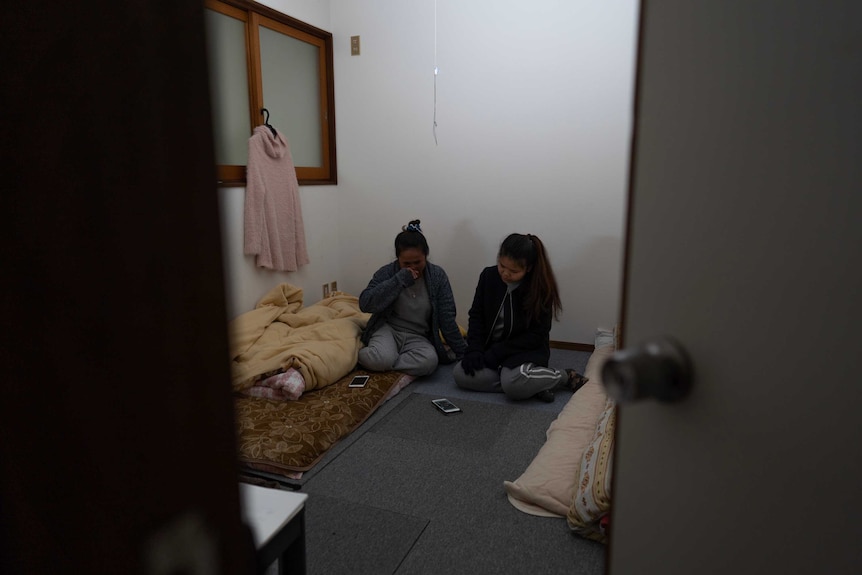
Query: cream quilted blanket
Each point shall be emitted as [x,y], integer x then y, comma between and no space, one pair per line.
[320,341]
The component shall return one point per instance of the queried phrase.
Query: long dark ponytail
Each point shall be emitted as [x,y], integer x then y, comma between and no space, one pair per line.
[542,292]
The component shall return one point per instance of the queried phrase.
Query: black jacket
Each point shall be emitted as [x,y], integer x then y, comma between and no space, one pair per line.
[522,343]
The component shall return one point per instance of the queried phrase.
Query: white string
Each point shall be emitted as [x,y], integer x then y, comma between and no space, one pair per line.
[435,73]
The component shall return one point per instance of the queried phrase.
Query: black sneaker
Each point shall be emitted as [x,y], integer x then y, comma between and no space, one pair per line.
[547,396]
[575,380]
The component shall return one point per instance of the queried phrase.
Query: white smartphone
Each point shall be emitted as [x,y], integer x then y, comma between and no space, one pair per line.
[358,381]
[445,405]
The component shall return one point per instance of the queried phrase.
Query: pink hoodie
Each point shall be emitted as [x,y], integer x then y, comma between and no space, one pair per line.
[274,231]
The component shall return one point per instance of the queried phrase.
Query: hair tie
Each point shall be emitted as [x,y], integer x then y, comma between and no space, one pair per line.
[412,227]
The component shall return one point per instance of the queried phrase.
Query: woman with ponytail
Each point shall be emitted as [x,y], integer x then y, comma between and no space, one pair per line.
[508,334]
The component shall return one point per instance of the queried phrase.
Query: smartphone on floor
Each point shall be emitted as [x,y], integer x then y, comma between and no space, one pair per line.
[445,406]
[358,381]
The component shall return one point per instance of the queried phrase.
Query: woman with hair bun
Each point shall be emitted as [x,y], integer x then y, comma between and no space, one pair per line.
[411,303]
[508,335]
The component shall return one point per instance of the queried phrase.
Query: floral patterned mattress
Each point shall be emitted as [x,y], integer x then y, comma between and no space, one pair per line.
[289,437]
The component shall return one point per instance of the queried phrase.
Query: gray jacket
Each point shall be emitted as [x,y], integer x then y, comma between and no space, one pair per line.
[386,285]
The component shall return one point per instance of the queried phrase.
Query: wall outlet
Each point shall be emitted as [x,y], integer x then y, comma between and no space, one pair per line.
[354,45]
[325,291]
[333,287]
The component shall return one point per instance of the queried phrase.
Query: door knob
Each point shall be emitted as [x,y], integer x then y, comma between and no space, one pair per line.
[660,368]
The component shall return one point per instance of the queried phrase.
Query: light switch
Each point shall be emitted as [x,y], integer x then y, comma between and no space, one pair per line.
[354,45]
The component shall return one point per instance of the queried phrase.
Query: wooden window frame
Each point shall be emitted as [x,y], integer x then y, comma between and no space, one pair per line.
[254,15]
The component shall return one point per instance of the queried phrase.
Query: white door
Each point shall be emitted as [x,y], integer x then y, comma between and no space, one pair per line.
[744,243]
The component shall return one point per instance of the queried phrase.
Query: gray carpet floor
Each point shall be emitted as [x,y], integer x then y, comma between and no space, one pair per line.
[416,491]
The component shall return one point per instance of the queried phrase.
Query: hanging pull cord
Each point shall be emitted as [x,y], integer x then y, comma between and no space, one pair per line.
[265,112]
[435,106]
[434,126]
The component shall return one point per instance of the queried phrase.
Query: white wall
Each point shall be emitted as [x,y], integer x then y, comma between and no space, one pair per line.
[533,129]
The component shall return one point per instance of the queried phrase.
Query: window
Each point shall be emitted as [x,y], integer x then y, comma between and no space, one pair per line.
[260,58]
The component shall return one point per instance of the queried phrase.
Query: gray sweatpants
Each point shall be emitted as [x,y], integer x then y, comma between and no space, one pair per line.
[520,382]
[393,350]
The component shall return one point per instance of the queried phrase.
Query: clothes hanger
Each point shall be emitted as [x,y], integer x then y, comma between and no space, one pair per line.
[266,121]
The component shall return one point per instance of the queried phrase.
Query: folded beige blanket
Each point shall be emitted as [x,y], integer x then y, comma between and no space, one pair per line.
[320,341]
[547,485]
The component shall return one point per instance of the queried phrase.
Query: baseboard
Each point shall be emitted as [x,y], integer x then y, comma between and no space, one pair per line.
[573,346]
